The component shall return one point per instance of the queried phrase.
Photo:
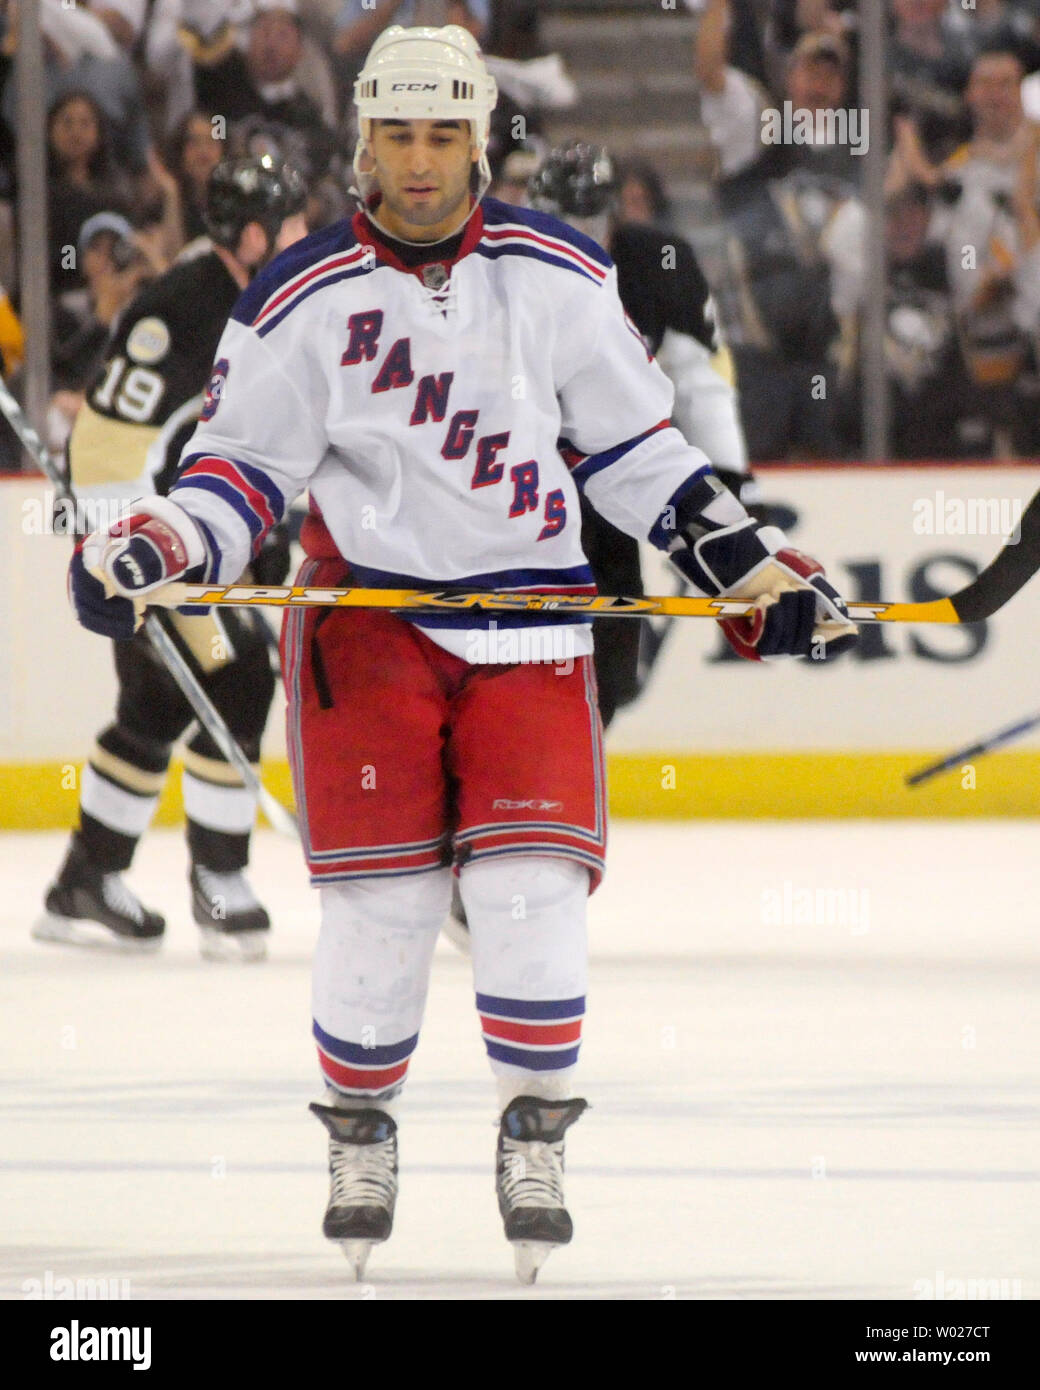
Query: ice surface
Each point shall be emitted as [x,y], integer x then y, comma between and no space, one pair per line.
[845,1106]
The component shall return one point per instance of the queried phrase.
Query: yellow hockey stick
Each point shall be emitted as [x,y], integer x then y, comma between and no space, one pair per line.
[1013,566]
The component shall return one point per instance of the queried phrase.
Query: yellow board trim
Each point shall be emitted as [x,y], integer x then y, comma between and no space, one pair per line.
[45,796]
[715,786]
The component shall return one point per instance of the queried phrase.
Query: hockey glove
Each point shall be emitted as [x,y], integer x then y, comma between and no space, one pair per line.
[725,553]
[109,617]
[112,570]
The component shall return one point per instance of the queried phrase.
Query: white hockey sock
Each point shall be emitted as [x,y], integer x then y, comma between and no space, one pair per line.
[370,978]
[527,920]
[226,807]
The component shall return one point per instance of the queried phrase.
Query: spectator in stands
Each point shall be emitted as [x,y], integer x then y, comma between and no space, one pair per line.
[789,20]
[641,195]
[927,73]
[148,33]
[734,106]
[787,313]
[981,232]
[82,180]
[83,56]
[745,36]
[195,149]
[265,81]
[985,25]
[922,357]
[359,24]
[1027,286]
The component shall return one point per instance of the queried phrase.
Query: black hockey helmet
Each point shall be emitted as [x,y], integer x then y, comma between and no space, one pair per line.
[575,180]
[255,189]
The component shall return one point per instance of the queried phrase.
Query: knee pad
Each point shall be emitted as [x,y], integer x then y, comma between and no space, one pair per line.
[372,961]
[527,920]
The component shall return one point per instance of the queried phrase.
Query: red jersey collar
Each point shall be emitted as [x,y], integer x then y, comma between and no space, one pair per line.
[367,232]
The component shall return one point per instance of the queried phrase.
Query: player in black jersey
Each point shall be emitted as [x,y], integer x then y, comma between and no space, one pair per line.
[126,442]
[667,297]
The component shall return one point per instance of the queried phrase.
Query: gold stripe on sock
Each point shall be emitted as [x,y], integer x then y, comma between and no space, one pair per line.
[128,775]
[212,769]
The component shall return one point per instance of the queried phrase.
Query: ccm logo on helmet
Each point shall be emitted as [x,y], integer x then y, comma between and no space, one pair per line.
[413,86]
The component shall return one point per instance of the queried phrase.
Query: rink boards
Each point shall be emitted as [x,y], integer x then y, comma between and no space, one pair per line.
[710,736]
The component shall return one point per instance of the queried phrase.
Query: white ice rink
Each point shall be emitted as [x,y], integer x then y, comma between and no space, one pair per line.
[841,1107]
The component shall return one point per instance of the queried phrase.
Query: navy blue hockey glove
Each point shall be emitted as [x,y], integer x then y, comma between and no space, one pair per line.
[725,553]
[112,571]
[109,617]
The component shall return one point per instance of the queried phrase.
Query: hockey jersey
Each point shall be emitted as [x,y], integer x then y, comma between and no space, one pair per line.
[144,402]
[444,417]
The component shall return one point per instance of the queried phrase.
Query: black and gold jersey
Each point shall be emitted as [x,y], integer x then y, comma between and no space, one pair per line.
[662,286]
[145,401]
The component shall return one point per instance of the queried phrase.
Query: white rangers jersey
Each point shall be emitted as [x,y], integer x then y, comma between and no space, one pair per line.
[443,429]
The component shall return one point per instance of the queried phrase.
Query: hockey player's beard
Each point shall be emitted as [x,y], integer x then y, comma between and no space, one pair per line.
[414,219]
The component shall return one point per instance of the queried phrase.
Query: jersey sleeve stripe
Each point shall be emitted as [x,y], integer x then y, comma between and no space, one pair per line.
[662,533]
[227,494]
[586,465]
[260,495]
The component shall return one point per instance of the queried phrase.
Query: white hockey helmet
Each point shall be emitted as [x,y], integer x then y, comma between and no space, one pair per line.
[425,74]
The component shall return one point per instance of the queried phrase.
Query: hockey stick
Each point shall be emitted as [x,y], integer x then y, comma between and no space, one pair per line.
[984,745]
[203,707]
[1011,569]
[944,610]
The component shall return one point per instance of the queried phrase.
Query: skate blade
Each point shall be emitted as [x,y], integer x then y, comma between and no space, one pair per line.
[530,1255]
[357,1253]
[239,946]
[95,936]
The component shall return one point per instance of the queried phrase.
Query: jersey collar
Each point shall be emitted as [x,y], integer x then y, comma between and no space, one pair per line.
[367,233]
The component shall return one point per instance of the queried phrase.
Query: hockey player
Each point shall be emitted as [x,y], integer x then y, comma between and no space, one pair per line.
[127,441]
[445,373]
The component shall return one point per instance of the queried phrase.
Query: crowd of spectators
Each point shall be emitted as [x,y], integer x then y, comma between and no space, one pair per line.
[144,97]
[963,281]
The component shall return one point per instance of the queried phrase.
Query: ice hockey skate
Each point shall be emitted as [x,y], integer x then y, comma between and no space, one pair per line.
[529,1179]
[87,907]
[363,1171]
[233,923]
